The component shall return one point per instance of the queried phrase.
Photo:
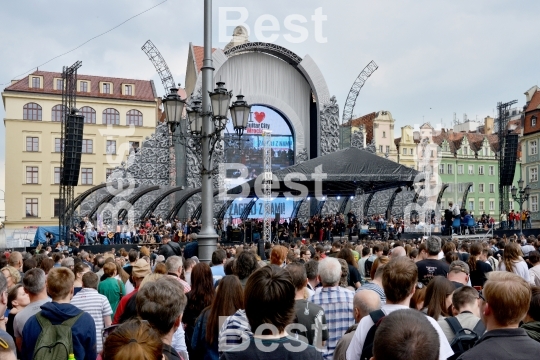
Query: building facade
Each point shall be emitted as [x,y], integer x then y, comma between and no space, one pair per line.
[119,115]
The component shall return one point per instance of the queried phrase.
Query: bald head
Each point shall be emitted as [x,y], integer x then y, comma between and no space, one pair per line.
[364,302]
[398,251]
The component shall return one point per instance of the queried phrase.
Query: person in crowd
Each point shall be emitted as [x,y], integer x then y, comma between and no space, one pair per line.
[534,271]
[229,298]
[112,288]
[506,298]
[512,261]
[336,302]
[162,304]
[139,271]
[79,270]
[531,322]
[478,268]
[169,248]
[458,273]
[123,275]
[133,340]
[244,265]
[312,268]
[438,299]
[201,295]
[60,288]
[465,303]
[18,299]
[188,267]
[34,285]
[269,301]
[16,260]
[311,322]
[376,252]
[354,280]
[174,269]
[362,261]
[89,300]
[376,283]
[431,266]
[12,275]
[400,277]
[405,334]
[7,349]
[364,303]
[278,255]
[218,260]
[417,300]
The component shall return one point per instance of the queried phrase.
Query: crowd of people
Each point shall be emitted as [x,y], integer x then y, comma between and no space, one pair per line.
[295,300]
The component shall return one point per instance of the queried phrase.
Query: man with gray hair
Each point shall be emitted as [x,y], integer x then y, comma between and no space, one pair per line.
[337,303]
[174,269]
[458,273]
[364,302]
[397,252]
[432,266]
[34,286]
[68,263]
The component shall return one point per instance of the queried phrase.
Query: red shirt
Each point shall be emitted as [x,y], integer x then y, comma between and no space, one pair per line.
[122,306]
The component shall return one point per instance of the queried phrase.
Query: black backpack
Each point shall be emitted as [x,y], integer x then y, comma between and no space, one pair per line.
[367,349]
[464,338]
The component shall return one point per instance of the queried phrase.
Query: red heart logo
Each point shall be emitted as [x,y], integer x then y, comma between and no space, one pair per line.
[259,116]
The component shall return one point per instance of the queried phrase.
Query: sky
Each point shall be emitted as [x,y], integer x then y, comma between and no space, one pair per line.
[435,58]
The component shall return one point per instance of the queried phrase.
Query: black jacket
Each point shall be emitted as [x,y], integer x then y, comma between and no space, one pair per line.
[511,344]
[170,249]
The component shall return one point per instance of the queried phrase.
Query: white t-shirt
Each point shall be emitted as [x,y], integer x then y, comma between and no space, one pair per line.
[520,268]
[354,352]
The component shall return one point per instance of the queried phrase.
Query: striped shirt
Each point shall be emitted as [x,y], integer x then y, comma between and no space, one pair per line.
[379,290]
[97,305]
[234,331]
[337,303]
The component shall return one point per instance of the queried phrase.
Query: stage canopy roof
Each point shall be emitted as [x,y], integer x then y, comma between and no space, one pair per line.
[341,173]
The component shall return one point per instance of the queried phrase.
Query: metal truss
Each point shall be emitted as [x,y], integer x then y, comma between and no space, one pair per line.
[161,66]
[272,49]
[355,90]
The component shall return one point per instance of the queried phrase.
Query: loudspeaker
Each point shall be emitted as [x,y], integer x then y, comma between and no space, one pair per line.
[249,231]
[73,136]
[277,218]
[509,164]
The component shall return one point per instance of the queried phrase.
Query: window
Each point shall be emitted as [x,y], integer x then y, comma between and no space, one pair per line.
[84,86]
[108,173]
[58,112]
[380,148]
[58,146]
[32,175]
[533,175]
[481,205]
[31,207]
[388,149]
[491,205]
[111,117]
[533,121]
[32,143]
[106,88]
[87,146]
[57,175]
[481,188]
[511,204]
[460,188]
[134,117]
[471,190]
[87,176]
[534,148]
[491,188]
[58,207]
[450,169]
[412,152]
[111,147]
[460,169]
[128,90]
[404,151]
[534,203]
[441,168]
[32,111]
[59,84]
[89,114]
[133,146]
[471,205]
[471,169]
[491,170]
[481,169]
[465,151]
[36,82]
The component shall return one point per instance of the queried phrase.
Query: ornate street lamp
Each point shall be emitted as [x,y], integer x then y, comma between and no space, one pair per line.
[195,117]
[523,196]
[221,99]
[240,111]
[174,107]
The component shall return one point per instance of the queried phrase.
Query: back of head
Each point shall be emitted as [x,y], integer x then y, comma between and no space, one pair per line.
[133,340]
[366,301]
[68,262]
[173,263]
[133,255]
[438,289]
[400,276]
[218,257]
[464,296]
[269,299]
[245,264]
[534,307]
[14,259]
[161,303]
[508,296]
[312,268]
[278,255]
[405,334]
[329,271]
[433,245]
[298,275]
[534,257]
[34,281]
[90,280]
[60,283]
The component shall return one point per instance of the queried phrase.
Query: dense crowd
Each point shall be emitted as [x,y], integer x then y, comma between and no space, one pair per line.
[299,300]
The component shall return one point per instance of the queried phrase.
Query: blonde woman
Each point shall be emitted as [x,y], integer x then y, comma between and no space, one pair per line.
[512,261]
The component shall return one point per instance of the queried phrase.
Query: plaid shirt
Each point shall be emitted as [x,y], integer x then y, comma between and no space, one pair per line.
[234,331]
[337,303]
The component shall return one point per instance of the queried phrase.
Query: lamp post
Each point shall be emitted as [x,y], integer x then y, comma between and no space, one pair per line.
[523,196]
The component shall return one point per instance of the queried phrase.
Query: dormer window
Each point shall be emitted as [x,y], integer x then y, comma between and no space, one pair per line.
[58,84]
[84,86]
[128,90]
[533,121]
[106,88]
[36,82]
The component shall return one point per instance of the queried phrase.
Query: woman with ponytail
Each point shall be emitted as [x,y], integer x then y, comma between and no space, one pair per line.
[513,261]
[478,268]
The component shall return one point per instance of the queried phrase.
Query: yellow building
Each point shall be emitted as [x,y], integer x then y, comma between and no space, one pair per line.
[407,147]
[119,115]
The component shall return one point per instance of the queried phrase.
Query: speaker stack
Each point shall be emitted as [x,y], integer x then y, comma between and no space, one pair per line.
[73,137]
[510,158]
